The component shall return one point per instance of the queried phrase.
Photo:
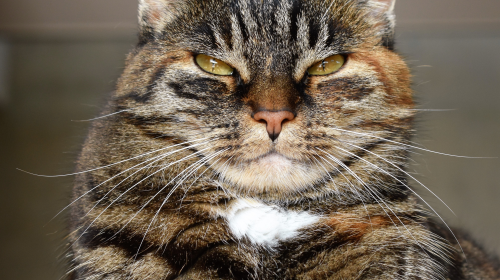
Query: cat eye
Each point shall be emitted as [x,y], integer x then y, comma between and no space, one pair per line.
[213,65]
[327,66]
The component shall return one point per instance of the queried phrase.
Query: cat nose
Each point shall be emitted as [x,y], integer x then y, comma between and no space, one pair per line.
[274,121]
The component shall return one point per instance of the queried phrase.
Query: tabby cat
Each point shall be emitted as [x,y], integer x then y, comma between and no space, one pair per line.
[260,139]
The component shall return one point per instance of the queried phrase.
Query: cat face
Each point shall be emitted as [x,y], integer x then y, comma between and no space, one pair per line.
[274,126]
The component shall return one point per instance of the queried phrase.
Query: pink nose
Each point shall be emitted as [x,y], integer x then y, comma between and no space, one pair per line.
[274,121]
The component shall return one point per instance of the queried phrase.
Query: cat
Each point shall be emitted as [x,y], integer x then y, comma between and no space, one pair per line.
[260,139]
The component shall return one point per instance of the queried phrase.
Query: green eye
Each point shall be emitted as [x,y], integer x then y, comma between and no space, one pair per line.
[327,66]
[213,65]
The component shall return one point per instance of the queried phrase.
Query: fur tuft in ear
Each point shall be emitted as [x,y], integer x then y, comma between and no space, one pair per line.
[154,15]
[385,20]
[385,6]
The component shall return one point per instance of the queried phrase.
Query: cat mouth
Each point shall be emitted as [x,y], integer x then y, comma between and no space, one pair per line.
[272,173]
[274,160]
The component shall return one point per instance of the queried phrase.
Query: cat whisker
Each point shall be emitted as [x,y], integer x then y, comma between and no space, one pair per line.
[151,199]
[129,189]
[414,192]
[117,185]
[378,199]
[184,135]
[337,190]
[328,173]
[160,157]
[199,176]
[349,182]
[375,193]
[200,164]
[174,188]
[102,117]
[154,159]
[432,110]
[409,146]
[194,171]
[359,195]
[195,134]
[224,166]
[109,165]
[144,179]
[397,167]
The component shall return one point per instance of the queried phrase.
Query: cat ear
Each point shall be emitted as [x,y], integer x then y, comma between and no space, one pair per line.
[385,20]
[384,10]
[384,6]
[154,15]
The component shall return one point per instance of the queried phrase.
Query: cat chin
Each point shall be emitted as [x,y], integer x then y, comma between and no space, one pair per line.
[272,173]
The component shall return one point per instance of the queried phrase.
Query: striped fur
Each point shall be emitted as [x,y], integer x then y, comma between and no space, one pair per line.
[178,148]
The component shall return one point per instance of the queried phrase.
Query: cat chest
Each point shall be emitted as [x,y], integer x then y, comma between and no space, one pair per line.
[266,225]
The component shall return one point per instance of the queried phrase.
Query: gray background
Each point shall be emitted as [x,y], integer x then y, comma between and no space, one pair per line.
[59,58]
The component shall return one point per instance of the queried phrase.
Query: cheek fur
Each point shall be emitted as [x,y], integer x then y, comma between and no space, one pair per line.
[178,179]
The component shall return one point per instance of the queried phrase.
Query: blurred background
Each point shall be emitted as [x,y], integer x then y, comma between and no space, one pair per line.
[59,58]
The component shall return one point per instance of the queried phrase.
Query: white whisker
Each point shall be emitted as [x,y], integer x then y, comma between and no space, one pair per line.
[199,176]
[106,166]
[432,110]
[224,166]
[102,117]
[348,181]
[410,146]
[374,193]
[174,188]
[154,159]
[151,199]
[158,158]
[426,203]
[129,189]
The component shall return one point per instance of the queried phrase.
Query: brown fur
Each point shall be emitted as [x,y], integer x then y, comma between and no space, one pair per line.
[180,146]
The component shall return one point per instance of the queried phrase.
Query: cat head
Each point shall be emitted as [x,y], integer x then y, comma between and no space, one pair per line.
[289,94]
[155,15]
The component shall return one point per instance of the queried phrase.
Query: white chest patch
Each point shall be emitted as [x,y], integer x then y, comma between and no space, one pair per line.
[265,225]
